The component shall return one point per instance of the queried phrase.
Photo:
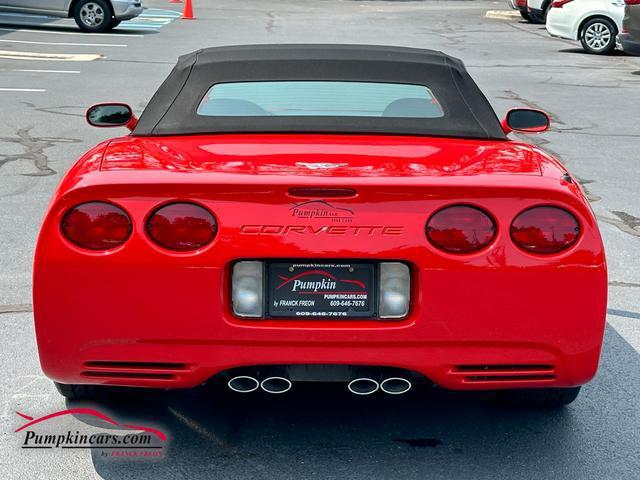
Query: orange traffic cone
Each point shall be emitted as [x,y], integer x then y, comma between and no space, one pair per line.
[187,14]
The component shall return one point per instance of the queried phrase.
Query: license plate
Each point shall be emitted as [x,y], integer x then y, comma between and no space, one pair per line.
[316,290]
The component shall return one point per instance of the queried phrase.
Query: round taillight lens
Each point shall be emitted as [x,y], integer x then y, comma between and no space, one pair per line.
[182,226]
[460,229]
[545,230]
[96,226]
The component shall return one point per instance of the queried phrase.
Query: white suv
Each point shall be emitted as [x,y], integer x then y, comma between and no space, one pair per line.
[90,15]
[594,22]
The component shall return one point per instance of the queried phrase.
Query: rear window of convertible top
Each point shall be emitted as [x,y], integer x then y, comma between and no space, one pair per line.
[320,98]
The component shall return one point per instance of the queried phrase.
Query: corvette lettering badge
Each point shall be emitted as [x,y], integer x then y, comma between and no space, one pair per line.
[351,230]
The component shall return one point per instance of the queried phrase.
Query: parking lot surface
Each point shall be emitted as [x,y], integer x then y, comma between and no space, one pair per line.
[50,73]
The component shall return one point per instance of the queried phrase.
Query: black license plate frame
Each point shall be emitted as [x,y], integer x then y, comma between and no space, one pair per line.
[308,289]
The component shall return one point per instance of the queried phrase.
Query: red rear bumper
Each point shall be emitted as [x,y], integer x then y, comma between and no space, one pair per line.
[499,318]
[467,316]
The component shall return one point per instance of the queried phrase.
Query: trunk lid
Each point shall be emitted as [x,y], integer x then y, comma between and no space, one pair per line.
[323,156]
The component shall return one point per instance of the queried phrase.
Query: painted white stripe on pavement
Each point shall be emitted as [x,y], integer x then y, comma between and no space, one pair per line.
[32,70]
[160,16]
[65,44]
[159,12]
[3,89]
[140,24]
[162,21]
[67,57]
[138,27]
[58,32]
[22,15]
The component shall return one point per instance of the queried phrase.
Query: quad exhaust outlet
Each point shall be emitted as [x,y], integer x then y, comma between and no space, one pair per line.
[277,384]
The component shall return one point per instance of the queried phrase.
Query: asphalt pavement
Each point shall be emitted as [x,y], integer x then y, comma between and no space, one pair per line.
[50,73]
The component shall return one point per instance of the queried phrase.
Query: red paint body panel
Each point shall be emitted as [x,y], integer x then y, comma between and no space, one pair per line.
[140,303]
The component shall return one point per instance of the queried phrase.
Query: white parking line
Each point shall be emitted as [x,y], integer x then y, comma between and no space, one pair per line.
[8,14]
[157,12]
[159,16]
[66,44]
[139,26]
[31,70]
[68,57]
[57,32]
[2,89]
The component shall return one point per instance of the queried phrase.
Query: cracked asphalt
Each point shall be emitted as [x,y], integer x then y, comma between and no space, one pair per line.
[314,433]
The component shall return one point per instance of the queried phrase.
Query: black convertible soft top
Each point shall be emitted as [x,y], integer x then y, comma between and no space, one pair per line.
[172,110]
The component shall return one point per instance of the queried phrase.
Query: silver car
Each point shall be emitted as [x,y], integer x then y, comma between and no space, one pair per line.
[90,15]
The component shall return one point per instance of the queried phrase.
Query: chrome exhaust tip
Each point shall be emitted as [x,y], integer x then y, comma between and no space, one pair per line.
[395,385]
[243,384]
[276,385]
[363,386]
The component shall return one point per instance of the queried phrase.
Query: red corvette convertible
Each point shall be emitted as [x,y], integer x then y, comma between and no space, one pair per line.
[295,213]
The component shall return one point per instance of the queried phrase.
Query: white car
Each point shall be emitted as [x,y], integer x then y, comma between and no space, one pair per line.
[594,22]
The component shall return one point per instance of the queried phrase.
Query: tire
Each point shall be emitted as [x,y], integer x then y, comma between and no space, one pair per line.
[94,16]
[598,36]
[547,8]
[541,18]
[98,392]
[115,23]
[536,19]
[525,15]
[539,398]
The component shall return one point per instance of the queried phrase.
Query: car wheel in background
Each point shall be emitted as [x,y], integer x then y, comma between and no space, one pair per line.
[542,398]
[525,15]
[536,19]
[93,15]
[546,8]
[598,36]
[541,18]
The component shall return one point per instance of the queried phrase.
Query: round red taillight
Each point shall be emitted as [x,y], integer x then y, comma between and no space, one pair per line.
[182,226]
[96,226]
[460,229]
[545,230]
